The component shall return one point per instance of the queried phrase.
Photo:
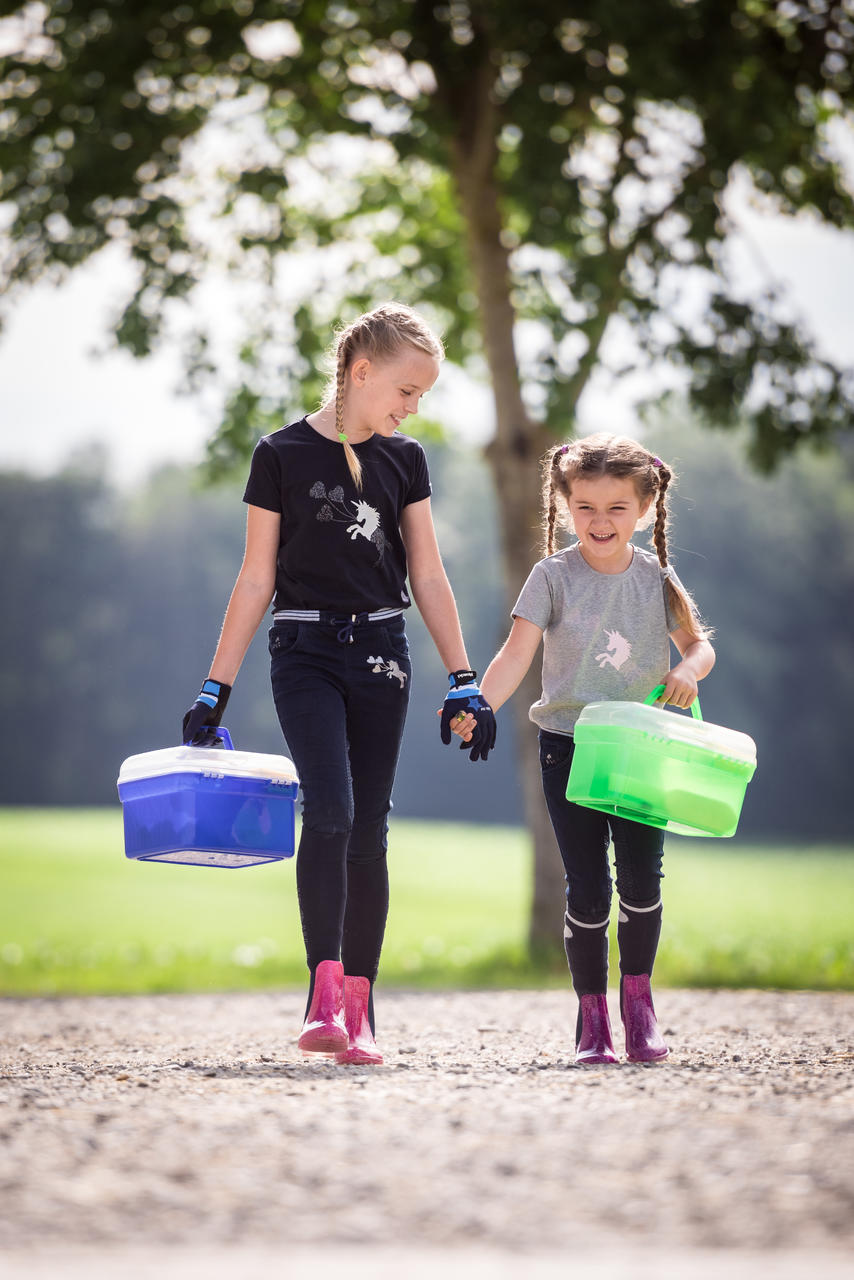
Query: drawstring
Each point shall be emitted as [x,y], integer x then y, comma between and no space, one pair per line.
[345,635]
[345,624]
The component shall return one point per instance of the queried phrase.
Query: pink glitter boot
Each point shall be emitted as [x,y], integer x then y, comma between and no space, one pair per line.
[324,1030]
[595,1046]
[362,1048]
[644,1042]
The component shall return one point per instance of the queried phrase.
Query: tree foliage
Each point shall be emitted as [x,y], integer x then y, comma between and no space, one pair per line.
[565,165]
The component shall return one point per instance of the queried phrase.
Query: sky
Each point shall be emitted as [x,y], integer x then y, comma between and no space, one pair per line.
[58,396]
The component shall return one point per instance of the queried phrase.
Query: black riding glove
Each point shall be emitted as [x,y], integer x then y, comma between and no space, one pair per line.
[464,696]
[201,721]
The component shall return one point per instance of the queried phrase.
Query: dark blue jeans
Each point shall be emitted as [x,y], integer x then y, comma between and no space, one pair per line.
[342,707]
[583,836]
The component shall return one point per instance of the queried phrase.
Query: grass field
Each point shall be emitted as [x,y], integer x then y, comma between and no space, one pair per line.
[76,916]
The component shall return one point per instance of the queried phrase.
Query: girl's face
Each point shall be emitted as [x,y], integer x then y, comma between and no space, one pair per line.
[605,512]
[386,392]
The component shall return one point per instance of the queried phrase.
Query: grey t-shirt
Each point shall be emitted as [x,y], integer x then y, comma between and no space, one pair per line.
[605,634]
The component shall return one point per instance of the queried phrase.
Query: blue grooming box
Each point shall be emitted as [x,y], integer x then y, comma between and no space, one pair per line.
[208,806]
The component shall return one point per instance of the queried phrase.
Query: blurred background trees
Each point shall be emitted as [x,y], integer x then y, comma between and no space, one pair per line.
[116,601]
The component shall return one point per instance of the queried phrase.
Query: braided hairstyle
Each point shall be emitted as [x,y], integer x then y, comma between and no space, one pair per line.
[624,459]
[378,335]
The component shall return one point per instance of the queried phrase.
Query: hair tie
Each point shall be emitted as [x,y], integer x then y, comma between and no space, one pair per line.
[342,437]
[564,448]
[656,462]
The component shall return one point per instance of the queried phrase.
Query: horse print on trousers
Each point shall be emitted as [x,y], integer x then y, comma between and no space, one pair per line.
[390,669]
[362,520]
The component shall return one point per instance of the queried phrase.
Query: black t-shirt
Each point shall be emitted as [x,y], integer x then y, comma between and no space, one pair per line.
[339,550]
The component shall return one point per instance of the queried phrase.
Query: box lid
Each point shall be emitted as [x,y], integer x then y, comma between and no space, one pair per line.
[670,726]
[208,761]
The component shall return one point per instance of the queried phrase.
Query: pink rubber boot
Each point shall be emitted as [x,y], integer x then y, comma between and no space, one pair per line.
[595,1046]
[324,1030]
[362,1047]
[643,1038]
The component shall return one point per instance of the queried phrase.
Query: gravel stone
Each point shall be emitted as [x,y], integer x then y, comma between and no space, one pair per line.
[186,1134]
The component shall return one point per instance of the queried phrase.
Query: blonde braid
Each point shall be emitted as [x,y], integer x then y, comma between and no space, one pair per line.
[379,335]
[353,463]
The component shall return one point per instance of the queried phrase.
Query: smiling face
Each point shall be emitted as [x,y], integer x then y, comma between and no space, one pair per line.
[605,512]
[383,393]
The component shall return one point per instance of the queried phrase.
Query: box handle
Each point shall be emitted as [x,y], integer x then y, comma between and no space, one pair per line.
[222,738]
[659,690]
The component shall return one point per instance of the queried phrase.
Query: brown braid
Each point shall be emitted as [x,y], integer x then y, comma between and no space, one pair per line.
[551,466]
[684,609]
[609,455]
[659,530]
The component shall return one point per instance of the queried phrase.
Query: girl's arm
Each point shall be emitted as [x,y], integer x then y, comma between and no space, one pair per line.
[252,593]
[431,589]
[698,658]
[506,671]
[510,665]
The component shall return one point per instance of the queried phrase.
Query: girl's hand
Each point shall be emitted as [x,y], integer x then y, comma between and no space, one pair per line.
[465,704]
[202,720]
[680,686]
[462,724]
[698,658]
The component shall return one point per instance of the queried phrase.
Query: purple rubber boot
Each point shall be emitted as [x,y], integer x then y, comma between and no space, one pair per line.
[595,1046]
[643,1038]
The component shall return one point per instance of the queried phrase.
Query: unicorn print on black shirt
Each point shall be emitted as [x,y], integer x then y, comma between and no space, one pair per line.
[361,519]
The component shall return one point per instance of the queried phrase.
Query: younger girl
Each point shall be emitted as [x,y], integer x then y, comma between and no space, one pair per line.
[604,609]
[339,513]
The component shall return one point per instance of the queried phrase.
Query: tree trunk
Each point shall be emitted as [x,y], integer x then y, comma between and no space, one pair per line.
[513,457]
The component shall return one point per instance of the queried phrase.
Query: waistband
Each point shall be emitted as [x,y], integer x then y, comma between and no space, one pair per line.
[344,621]
[334,619]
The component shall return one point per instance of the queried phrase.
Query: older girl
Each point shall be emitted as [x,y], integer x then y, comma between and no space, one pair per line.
[339,515]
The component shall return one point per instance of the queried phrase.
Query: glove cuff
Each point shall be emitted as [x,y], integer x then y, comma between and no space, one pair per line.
[213,693]
[456,679]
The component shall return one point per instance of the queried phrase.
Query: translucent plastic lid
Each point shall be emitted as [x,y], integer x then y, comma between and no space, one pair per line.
[212,762]
[670,726]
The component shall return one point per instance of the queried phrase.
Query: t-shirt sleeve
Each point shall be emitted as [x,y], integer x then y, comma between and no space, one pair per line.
[264,486]
[419,487]
[535,599]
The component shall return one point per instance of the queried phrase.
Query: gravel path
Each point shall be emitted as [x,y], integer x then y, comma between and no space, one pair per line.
[185,1135]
